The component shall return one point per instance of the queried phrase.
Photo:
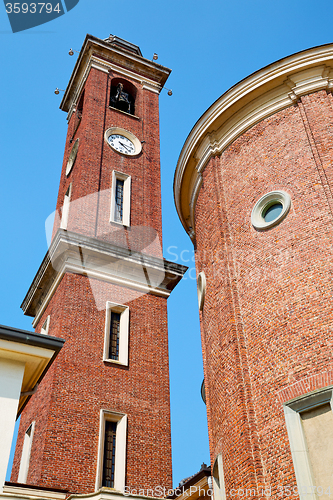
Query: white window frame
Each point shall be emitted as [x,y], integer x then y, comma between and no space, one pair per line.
[46,326]
[123,333]
[25,456]
[218,479]
[126,198]
[201,288]
[65,208]
[120,454]
[292,411]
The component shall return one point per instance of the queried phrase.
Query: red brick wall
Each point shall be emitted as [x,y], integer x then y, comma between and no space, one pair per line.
[266,323]
[79,384]
[92,172]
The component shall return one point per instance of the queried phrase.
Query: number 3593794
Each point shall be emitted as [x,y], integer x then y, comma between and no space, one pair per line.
[32,8]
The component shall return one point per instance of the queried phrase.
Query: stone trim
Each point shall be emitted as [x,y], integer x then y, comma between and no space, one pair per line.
[29,492]
[120,458]
[255,98]
[79,254]
[267,200]
[105,57]
[299,451]
[123,335]
[126,220]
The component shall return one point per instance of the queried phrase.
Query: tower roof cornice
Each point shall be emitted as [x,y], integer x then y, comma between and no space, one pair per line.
[263,93]
[106,56]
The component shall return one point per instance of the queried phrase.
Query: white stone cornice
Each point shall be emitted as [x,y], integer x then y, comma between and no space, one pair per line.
[18,492]
[26,493]
[74,253]
[106,67]
[260,95]
[105,57]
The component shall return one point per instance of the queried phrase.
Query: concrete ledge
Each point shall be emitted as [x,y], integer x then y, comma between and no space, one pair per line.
[94,258]
[25,491]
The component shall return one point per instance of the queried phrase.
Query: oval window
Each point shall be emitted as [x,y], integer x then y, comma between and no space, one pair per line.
[271,213]
[270,209]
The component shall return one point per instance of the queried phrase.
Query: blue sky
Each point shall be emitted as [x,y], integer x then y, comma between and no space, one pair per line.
[210,46]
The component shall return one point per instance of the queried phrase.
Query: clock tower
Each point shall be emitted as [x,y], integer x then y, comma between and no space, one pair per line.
[101,416]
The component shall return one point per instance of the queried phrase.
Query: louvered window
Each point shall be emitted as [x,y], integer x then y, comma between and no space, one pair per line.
[109,454]
[119,201]
[114,336]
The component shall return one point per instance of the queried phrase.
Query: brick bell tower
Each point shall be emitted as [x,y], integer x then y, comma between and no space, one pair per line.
[101,416]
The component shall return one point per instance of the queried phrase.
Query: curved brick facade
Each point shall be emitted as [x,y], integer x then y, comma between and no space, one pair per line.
[267,319]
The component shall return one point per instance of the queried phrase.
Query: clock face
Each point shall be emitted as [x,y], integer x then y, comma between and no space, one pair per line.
[122,144]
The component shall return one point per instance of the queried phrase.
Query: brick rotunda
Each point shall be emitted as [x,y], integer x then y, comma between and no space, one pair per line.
[253,189]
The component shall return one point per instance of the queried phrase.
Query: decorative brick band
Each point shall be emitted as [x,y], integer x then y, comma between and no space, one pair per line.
[306,385]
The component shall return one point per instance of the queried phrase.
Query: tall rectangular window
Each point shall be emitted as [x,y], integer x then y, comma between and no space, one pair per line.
[120,198]
[109,459]
[119,201]
[111,463]
[114,335]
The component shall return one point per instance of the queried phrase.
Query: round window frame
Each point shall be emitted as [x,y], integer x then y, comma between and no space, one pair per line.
[72,157]
[128,135]
[264,203]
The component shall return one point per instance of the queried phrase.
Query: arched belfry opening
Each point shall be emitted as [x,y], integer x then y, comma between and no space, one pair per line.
[122,95]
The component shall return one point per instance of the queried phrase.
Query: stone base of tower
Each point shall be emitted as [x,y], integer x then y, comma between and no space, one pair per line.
[196,487]
[12,491]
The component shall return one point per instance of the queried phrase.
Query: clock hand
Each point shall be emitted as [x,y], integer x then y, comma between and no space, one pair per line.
[124,145]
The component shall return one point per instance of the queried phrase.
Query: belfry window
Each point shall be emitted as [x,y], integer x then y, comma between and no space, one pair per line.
[122,95]
[109,458]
